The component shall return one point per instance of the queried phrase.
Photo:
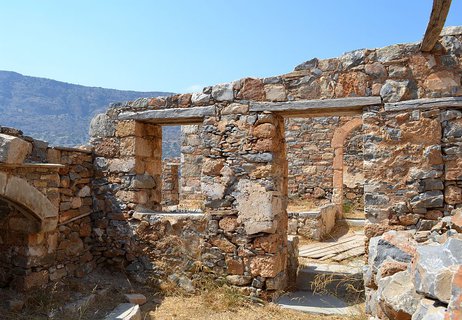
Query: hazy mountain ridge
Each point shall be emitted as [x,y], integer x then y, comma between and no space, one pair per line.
[60,112]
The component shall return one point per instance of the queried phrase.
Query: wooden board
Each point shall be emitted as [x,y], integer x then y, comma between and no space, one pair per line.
[355,252]
[344,248]
[319,246]
[336,250]
[329,242]
[438,16]
[323,251]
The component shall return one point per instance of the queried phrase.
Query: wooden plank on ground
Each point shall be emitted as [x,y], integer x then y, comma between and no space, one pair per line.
[337,249]
[327,257]
[350,254]
[324,245]
[318,248]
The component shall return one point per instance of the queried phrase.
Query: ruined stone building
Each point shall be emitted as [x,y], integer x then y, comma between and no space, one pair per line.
[381,128]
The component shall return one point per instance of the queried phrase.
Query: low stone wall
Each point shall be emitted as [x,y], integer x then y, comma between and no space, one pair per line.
[313,224]
[163,245]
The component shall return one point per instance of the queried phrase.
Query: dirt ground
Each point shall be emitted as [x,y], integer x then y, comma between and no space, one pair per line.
[212,308]
[68,300]
[89,298]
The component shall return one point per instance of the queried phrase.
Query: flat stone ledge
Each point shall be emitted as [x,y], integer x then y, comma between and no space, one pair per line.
[71,149]
[316,107]
[32,165]
[305,214]
[448,102]
[170,116]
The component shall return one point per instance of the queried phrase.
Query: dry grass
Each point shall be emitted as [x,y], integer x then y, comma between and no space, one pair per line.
[216,300]
[217,306]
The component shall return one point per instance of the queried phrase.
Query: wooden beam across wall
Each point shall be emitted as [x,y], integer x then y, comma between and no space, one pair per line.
[438,16]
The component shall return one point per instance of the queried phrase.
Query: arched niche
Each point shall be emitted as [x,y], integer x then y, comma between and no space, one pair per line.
[29,201]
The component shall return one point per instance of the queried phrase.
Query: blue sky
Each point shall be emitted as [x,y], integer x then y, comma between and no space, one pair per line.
[178,46]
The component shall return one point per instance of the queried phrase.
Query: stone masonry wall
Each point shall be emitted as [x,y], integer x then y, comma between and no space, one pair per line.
[170,182]
[32,257]
[413,174]
[353,175]
[244,172]
[412,167]
[310,155]
[190,171]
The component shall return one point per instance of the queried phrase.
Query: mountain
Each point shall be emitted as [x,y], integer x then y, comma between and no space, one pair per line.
[60,112]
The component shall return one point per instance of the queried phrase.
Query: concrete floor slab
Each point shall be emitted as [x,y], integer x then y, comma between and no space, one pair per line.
[309,302]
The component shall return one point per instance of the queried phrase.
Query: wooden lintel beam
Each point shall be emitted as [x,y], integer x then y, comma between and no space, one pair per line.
[438,16]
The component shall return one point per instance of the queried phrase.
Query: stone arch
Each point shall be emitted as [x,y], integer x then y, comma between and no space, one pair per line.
[338,142]
[26,196]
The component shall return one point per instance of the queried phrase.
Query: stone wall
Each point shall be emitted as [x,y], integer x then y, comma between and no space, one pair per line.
[314,225]
[410,177]
[33,253]
[310,158]
[353,175]
[100,207]
[251,247]
[244,172]
[311,155]
[190,171]
[170,182]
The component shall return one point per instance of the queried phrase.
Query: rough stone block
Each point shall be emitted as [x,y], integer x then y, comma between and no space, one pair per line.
[101,126]
[13,149]
[393,91]
[136,298]
[122,165]
[256,207]
[267,266]
[398,246]
[428,199]
[275,92]
[429,310]
[223,92]
[434,267]
[125,128]
[453,194]
[252,89]
[200,98]
[397,296]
